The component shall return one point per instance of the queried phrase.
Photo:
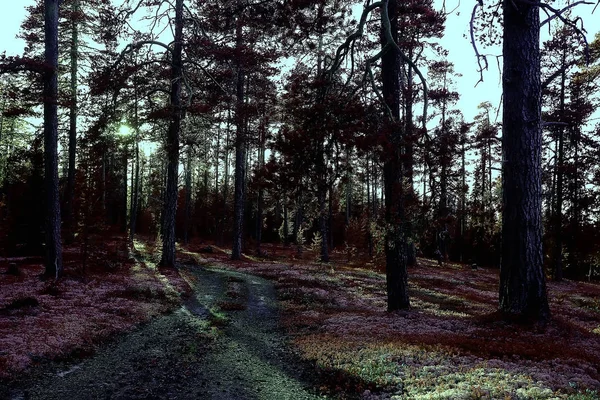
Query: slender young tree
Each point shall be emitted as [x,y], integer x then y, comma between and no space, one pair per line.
[74,56]
[240,146]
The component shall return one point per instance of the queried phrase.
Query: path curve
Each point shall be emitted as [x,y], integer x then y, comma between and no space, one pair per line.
[176,357]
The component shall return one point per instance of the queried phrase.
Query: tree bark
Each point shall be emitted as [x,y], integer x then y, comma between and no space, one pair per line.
[522,280]
[70,190]
[240,153]
[188,195]
[136,184]
[557,267]
[260,199]
[286,230]
[393,171]
[322,198]
[53,262]
[123,209]
[170,206]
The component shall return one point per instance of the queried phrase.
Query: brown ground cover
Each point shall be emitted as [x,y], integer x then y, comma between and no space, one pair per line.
[46,320]
[451,344]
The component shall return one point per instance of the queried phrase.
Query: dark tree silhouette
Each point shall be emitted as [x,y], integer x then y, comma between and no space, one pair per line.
[53,263]
[168,230]
[522,279]
[393,170]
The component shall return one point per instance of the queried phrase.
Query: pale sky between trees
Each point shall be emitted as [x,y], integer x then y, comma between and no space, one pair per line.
[455,40]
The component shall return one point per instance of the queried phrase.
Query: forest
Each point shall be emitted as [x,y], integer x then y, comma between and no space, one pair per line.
[184,167]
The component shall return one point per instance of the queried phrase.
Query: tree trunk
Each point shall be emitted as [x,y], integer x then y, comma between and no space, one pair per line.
[103,183]
[53,262]
[188,196]
[70,190]
[463,195]
[393,171]
[298,218]
[574,251]
[409,127]
[557,268]
[330,218]
[522,280]
[170,206]
[443,205]
[123,209]
[321,168]
[136,183]
[286,229]
[260,199]
[240,154]
[322,198]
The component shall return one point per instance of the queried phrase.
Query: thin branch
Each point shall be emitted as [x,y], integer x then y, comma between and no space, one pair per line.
[138,45]
[560,12]
[197,64]
[545,124]
[557,73]
[572,24]
[474,44]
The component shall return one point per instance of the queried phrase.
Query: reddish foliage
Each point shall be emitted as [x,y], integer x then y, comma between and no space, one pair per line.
[46,320]
[453,308]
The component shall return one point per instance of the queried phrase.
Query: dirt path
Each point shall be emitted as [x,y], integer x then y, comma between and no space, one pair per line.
[225,343]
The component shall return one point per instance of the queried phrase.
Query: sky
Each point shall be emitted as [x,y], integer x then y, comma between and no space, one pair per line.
[456,40]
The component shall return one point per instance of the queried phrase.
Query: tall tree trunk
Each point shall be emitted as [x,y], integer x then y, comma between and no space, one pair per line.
[70,190]
[188,195]
[136,183]
[322,198]
[260,199]
[170,206]
[557,268]
[240,153]
[123,209]
[321,168]
[3,170]
[103,183]
[286,229]
[463,195]
[298,218]
[408,155]
[53,262]
[330,217]
[393,171]
[368,210]
[522,280]
[443,206]
[224,210]
[574,251]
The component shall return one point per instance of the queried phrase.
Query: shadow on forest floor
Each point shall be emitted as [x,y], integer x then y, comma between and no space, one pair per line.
[451,344]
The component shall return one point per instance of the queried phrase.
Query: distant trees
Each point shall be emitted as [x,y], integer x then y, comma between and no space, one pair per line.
[288,121]
[569,99]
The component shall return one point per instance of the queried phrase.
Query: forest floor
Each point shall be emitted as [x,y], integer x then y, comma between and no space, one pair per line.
[224,341]
[283,326]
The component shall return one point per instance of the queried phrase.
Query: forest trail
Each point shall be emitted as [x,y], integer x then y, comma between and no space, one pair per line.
[224,343]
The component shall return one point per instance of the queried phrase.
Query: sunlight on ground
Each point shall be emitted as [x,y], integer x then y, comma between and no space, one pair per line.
[437,350]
